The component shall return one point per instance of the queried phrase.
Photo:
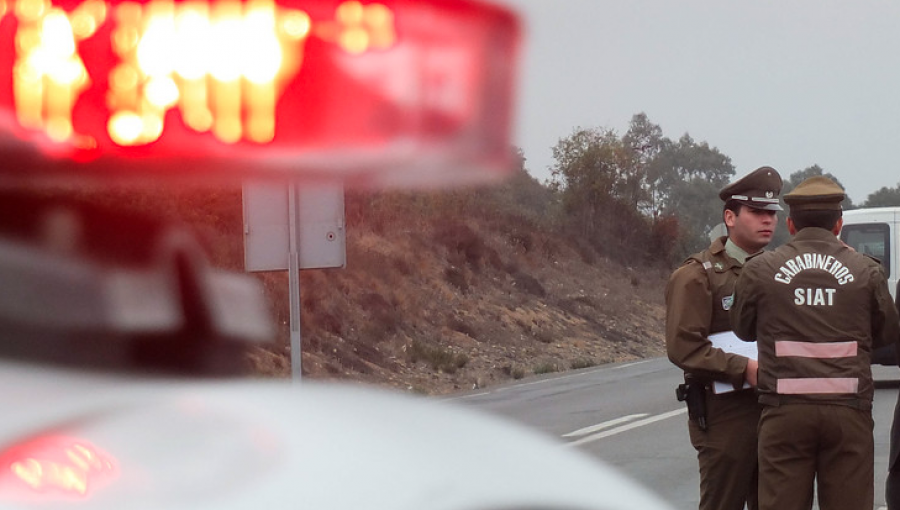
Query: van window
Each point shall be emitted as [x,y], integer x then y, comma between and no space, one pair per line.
[871,239]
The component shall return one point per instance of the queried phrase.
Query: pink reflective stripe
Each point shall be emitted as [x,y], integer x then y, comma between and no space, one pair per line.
[816,350]
[818,385]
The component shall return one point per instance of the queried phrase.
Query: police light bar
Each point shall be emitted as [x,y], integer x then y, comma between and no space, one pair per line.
[387,92]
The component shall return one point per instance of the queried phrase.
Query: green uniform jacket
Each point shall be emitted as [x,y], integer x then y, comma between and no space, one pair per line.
[698,297]
[817,309]
[895,427]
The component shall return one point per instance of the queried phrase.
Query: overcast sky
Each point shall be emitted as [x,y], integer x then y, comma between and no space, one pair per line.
[767,82]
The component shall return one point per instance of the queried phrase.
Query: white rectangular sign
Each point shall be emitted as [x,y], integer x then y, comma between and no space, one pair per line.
[319,220]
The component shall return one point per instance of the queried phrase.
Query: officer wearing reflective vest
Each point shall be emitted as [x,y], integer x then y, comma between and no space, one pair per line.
[816,309]
[722,426]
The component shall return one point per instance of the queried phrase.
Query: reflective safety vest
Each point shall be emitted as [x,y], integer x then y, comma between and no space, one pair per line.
[816,309]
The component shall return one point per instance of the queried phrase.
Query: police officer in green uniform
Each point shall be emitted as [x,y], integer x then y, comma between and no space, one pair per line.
[722,427]
[816,309]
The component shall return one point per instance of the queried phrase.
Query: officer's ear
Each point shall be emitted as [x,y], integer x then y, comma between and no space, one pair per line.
[838,225]
[728,217]
[792,229]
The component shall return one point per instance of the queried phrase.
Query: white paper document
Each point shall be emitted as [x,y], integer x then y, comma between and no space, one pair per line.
[729,342]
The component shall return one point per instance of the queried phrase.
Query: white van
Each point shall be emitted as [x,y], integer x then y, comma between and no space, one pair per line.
[874,232]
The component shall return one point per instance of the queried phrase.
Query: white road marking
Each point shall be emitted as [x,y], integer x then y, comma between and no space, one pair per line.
[626,427]
[471,395]
[514,386]
[633,363]
[542,381]
[519,385]
[605,425]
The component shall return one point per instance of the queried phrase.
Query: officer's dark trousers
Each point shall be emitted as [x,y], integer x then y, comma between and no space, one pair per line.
[892,484]
[830,447]
[892,490]
[726,452]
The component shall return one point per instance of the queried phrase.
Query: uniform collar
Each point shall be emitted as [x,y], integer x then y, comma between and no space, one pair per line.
[735,251]
[717,249]
[815,233]
[718,245]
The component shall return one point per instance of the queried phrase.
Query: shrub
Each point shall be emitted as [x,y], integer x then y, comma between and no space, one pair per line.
[463,327]
[454,276]
[440,359]
[383,318]
[545,337]
[529,284]
[582,363]
[516,372]
[464,245]
[546,368]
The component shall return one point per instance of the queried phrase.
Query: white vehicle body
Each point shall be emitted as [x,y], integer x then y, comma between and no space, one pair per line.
[123,388]
[876,232]
[74,440]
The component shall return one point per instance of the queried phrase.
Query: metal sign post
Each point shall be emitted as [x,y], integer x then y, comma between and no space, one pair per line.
[294,281]
[289,228]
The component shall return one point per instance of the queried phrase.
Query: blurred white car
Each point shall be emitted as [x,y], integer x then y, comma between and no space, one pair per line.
[108,323]
[72,439]
[122,390]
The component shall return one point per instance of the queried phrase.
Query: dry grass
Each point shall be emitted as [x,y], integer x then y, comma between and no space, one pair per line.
[442,291]
[453,300]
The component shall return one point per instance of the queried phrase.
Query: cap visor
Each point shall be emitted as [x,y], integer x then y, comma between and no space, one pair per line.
[763,207]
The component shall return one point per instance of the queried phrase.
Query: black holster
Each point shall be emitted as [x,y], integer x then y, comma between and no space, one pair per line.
[693,392]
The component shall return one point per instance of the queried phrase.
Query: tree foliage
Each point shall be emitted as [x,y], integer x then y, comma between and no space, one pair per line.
[593,166]
[600,183]
[693,173]
[884,197]
[812,171]
[640,197]
[790,182]
[628,185]
[644,140]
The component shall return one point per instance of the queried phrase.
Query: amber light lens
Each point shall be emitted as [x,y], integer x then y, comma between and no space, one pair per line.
[222,66]
[54,466]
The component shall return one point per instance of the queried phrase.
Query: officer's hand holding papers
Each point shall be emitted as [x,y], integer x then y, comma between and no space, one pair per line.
[729,342]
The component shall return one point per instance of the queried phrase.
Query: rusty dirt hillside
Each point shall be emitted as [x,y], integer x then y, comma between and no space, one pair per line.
[450,292]
[447,291]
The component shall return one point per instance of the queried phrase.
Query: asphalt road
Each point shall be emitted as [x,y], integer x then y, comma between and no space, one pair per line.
[627,415]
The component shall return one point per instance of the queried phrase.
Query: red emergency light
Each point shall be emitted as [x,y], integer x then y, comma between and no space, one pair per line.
[54,467]
[383,92]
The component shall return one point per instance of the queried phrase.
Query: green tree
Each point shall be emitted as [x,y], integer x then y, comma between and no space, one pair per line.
[523,195]
[811,171]
[781,234]
[884,197]
[645,141]
[635,191]
[587,172]
[689,176]
[599,181]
